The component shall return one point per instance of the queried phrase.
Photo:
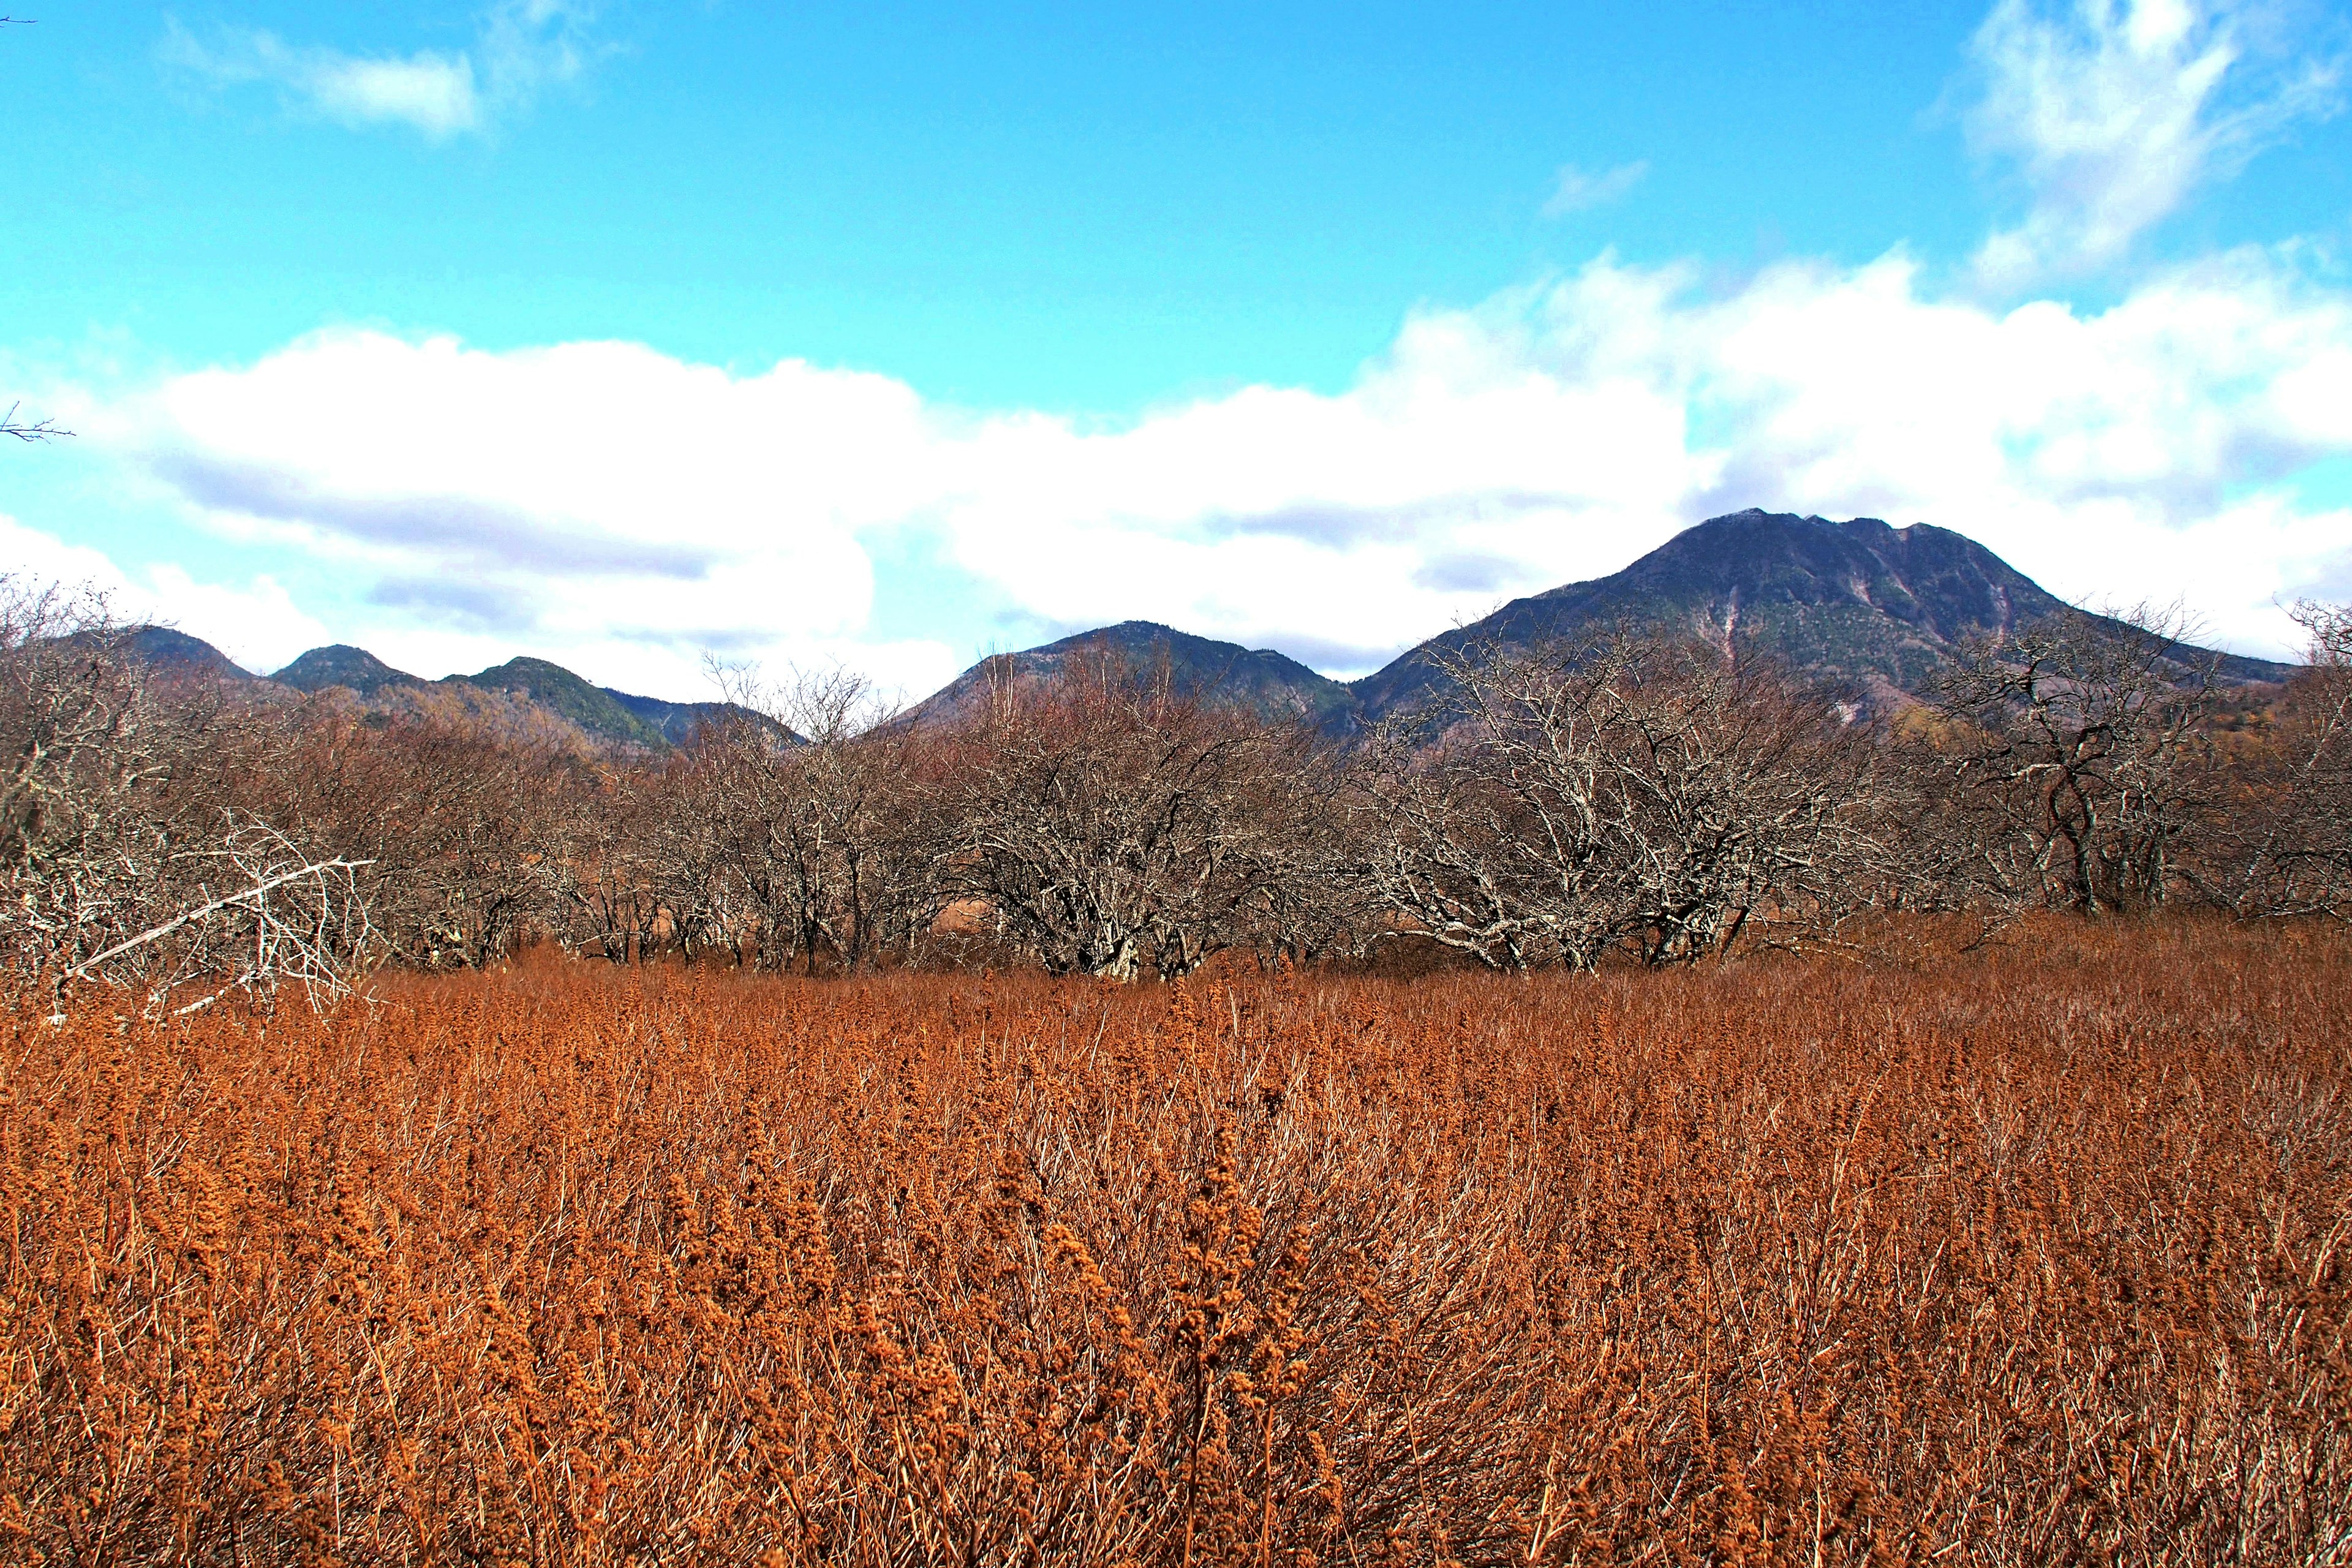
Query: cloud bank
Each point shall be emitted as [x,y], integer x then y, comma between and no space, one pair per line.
[606,501]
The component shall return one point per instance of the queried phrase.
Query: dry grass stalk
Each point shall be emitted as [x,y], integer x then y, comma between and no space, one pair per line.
[2031,1257]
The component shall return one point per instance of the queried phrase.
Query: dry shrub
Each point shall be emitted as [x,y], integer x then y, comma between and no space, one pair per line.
[2033,1257]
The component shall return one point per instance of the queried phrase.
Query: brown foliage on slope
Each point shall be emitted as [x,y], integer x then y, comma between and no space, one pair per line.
[2032,1258]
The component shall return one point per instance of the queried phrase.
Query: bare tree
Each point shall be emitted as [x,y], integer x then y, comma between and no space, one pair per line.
[1316,903]
[1629,793]
[480,833]
[124,857]
[1110,824]
[801,820]
[2291,810]
[2085,738]
[282,916]
[686,841]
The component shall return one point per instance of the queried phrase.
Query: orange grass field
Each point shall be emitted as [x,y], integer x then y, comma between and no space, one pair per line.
[2032,1256]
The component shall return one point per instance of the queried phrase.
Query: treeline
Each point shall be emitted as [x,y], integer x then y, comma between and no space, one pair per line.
[1634,798]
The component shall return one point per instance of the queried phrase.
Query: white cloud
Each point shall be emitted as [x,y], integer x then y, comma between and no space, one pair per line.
[606,504]
[2115,110]
[523,47]
[433,92]
[1575,190]
[526,46]
[258,624]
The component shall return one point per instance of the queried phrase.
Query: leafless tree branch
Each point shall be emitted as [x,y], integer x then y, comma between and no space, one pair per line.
[39,429]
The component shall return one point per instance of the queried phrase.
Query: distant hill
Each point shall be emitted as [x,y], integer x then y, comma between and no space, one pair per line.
[678,721]
[1860,602]
[167,651]
[178,650]
[598,713]
[343,664]
[526,691]
[1266,683]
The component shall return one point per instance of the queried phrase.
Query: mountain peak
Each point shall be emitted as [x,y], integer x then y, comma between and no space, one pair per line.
[569,696]
[171,652]
[1269,683]
[340,664]
[1861,602]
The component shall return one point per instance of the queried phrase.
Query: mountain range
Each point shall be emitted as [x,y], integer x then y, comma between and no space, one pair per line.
[532,688]
[1875,608]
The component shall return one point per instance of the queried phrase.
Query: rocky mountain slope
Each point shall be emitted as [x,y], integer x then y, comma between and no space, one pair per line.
[1859,602]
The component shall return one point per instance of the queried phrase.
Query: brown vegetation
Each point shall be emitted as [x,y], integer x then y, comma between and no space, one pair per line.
[2030,1256]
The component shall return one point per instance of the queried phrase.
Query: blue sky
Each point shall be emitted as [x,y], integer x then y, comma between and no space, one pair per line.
[617,332]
